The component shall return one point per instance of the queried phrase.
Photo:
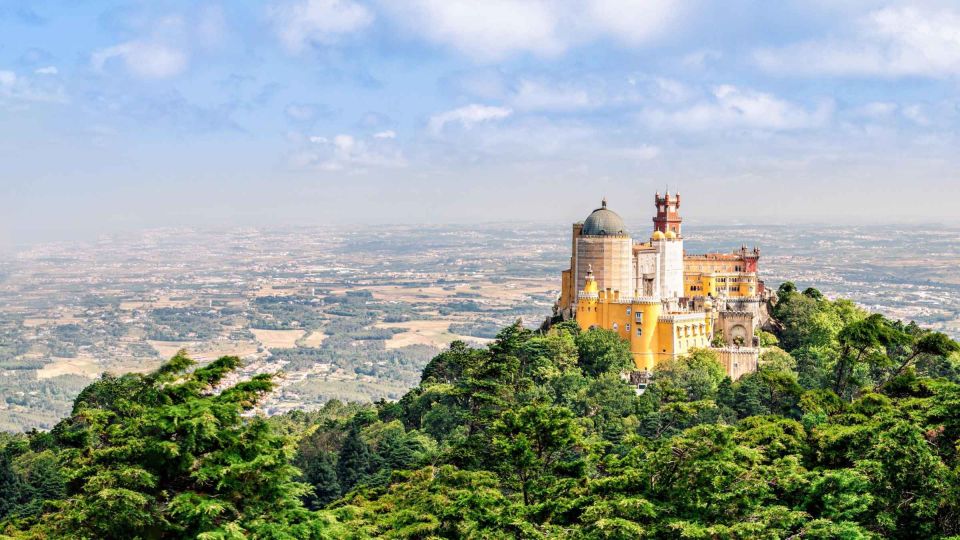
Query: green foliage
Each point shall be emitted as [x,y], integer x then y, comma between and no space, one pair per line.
[694,377]
[603,351]
[848,431]
[767,339]
[163,455]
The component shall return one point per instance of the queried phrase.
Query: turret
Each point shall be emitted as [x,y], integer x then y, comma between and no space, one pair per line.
[668,213]
[587,301]
[590,287]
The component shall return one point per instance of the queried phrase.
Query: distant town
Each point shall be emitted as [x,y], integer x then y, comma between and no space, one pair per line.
[355,313]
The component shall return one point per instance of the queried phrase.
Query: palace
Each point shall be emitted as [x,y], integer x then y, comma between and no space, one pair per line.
[656,296]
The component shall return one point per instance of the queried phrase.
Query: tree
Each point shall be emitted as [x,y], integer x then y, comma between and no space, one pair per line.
[433,502]
[863,341]
[536,444]
[697,375]
[355,461]
[9,485]
[321,474]
[929,344]
[548,356]
[603,351]
[163,455]
[767,339]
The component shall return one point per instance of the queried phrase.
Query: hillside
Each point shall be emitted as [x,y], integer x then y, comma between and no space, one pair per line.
[850,429]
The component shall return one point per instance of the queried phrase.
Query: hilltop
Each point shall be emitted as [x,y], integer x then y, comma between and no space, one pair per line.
[849,429]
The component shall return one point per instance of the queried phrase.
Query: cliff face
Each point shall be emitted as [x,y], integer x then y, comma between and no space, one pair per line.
[767,322]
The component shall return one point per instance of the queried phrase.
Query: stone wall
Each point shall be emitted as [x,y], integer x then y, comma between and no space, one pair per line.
[738,361]
[611,258]
[733,324]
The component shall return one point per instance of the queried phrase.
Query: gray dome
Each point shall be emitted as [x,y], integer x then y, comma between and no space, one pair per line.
[603,222]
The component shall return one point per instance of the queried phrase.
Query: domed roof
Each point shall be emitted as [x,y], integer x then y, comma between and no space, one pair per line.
[671,235]
[603,222]
[657,235]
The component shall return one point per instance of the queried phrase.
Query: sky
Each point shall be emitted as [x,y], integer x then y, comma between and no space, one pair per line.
[118,116]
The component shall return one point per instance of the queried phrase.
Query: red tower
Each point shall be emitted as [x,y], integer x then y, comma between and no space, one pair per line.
[668,213]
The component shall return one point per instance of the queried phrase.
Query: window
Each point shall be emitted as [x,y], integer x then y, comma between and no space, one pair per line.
[628,328]
[628,310]
[638,315]
[639,331]
[615,326]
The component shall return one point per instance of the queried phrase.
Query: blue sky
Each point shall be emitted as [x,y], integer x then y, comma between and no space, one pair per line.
[123,115]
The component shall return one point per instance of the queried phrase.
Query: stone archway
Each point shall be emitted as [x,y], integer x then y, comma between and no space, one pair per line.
[738,331]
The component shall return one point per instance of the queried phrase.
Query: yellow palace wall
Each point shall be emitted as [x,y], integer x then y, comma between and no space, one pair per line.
[738,284]
[658,340]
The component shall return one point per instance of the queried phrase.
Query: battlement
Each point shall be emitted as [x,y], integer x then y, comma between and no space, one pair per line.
[738,314]
[681,317]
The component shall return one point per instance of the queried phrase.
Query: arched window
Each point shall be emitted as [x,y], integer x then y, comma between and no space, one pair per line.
[615,326]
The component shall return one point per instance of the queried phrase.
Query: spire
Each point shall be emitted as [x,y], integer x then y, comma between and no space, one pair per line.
[603,203]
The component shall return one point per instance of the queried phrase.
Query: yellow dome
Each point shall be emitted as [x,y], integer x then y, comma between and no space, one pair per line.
[657,235]
[671,235]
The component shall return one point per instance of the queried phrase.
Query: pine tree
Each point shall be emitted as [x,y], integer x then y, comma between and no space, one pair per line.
[321,473]
[9,485]
[355,460]
[163,455]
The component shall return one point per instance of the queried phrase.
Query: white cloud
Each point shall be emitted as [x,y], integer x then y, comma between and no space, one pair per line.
[891,42]
[143,58]
[490,30]
[388,134]
[633,22]
[18,88]
[732,107]
[467,116]
[345,152]
[486,30]
[165,44]
[303,22]
[49,70]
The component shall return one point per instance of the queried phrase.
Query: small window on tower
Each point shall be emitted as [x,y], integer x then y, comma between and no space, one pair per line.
[615,326]
[628,327]
[639,316]
[639,331]
[628,310]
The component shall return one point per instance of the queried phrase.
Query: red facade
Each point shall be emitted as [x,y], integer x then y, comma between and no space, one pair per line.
[668,213]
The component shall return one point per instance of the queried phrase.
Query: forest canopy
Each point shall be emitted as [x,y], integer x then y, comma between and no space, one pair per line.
[849,429]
